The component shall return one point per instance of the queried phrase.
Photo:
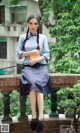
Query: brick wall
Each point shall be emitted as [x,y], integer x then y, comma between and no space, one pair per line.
[10,82]
[50,126]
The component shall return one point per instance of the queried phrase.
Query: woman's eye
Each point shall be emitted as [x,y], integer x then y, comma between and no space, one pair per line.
[33,23]
[30,23]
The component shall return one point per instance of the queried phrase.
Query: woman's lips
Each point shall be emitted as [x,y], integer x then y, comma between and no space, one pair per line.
[32,29]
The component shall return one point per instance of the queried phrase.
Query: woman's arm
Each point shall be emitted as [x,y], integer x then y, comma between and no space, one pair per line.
[37,60]
[46,51]
[45,55]
[28,53]
[20,52]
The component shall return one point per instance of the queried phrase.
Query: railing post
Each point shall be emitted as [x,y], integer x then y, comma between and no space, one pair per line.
[54,112]
[23,115]
[6,107]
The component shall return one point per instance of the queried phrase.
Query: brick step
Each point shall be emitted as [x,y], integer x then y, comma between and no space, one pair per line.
[51,125]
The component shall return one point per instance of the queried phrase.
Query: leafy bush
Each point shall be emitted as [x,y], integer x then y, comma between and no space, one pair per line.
[14,103]
[67,65]
[69,100]
[65,52]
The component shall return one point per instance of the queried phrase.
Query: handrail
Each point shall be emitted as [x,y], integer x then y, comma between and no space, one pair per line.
[10,82]
[8,67]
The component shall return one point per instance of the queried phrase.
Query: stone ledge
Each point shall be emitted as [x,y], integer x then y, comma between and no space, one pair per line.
[11,82]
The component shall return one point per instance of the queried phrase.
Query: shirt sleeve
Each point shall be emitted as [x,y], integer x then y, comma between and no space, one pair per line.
[19,50]
[46,51]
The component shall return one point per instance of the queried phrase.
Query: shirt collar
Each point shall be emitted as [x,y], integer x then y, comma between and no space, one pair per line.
[30,34]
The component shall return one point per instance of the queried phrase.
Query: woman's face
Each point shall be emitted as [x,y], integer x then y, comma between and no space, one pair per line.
[33,25]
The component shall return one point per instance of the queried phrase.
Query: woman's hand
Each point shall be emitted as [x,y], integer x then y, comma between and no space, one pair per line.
[33,62]
[36,60]
[28,53]
[35,51]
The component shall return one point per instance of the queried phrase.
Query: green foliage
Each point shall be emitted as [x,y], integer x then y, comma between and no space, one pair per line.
[47,104]
[46,8]
[67,65]
[15,104]
[67,34]
[69,99]
[14,2]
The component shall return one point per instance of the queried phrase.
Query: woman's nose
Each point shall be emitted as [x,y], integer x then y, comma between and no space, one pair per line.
[33,25]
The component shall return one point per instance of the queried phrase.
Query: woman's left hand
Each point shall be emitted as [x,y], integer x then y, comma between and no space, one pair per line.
[36,60]
[33,62]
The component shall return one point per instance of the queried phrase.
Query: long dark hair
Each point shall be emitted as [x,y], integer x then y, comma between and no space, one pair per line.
[26,38]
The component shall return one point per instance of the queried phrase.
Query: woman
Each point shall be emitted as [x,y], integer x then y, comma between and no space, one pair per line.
[35,80]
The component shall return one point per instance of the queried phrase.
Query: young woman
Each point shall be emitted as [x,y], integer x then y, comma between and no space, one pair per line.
[35,79]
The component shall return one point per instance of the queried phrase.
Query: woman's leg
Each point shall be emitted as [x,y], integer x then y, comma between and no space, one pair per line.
[33,103]
[40,125]
[40,105]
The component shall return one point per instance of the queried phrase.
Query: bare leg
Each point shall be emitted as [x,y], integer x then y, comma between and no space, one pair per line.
[33,103]
[33,124]
[40,105]
[40,126]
